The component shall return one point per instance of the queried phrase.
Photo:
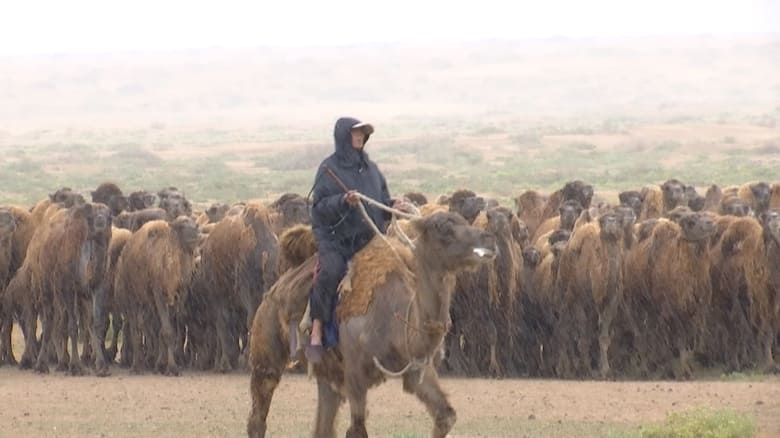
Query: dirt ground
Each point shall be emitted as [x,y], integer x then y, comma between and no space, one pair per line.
[205,405]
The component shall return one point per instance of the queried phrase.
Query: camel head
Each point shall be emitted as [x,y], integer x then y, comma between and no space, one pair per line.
[569,211]
[627,216]
[520,231]
[578,191]
[7,221]
[678,213]
[762,193]
[99,220]
[531,257]
[771,222]
[696,226]
[674,193]
[186,231]
[140,200]
[499,219]
[611,225]
[448,242]
[558,241]
[735,207]
[633,199]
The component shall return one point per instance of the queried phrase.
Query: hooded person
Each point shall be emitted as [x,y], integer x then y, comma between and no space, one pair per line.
[338,225]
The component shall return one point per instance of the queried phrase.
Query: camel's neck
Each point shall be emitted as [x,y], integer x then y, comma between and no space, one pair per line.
[430,312]
[770,241]
[628,237]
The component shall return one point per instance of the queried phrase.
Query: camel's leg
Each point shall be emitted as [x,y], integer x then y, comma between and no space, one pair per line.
[584,339]
[29,324]
[226,341]
[85,316]
[42,362]
[126,351]
[492,338]
[267,358]
[74,366]
[116,324]
[356,394]
[606,316]
[262,384]
[328,403]
[6,347]
[681,335]
[98,330]
[168,335]
[135,324]
[430,393]
[250,300]
[59,337]
[766,336]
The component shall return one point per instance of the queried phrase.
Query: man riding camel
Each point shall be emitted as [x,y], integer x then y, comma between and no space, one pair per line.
[339,228]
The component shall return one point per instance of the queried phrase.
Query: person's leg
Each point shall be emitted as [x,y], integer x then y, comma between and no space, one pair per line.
[332,269]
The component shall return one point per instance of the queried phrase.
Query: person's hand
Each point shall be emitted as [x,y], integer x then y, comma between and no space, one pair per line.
[401,204]
[351,198]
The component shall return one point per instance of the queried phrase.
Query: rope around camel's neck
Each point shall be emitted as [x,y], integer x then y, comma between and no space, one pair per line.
[425,323]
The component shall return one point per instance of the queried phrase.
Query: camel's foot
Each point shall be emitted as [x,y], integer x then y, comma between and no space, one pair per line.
[444,422]
[75,369]
[41,367]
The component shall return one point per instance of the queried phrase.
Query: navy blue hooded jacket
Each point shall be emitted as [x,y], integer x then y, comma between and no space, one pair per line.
[335,222]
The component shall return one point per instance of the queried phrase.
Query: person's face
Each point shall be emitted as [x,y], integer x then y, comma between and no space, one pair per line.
[357,139]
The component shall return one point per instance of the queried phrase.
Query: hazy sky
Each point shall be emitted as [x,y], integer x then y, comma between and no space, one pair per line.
[55,26]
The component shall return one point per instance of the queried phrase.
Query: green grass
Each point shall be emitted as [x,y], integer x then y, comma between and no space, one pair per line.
[700,423]
[432,155]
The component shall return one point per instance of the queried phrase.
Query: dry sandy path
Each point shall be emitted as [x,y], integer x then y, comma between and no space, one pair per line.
[204,405]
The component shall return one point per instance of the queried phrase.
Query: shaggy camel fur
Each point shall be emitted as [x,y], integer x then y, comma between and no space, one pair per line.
[757,195]
[104,304]
[63,284]
[416,198]
[633,199]
[712,199]
[239,263]
[745,302]
[569,212]
[429,209]
[591,279]
[110,195]
[571,191]
[467,204]
[543,302]
[289,210]
[529,207]
[774,199]
[402,330]
[7,230]
[141,200]
[215,213]
[296,244]
[134,220]
[672,289]
[152,275]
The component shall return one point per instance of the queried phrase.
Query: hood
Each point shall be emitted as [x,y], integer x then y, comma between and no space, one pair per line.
[342,137]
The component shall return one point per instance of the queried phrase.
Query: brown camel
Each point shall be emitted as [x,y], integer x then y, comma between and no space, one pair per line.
[373,341]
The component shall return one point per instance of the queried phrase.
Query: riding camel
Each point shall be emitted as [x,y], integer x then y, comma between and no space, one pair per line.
[393,315]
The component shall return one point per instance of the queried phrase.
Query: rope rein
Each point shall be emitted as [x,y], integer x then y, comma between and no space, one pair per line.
[413,363]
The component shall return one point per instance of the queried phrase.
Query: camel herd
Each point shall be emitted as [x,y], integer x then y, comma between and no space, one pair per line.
[661,283]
